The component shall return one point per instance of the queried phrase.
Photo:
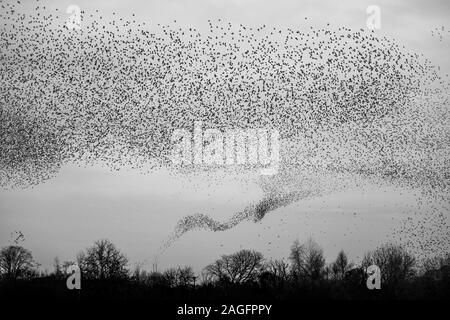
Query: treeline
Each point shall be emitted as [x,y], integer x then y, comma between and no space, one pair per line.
[246,274]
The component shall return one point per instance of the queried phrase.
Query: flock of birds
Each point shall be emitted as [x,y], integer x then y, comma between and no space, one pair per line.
[352,108]
[440,32]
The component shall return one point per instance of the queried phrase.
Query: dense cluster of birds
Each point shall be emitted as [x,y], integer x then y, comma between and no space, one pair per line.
[352,108]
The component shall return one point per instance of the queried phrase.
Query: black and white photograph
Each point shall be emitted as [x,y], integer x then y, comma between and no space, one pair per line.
[230,159]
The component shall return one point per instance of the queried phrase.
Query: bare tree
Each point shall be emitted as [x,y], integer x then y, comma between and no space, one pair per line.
[103,261]
[276,274]
[16,262]
[340,267]
[395,263]
[185,276]
[169,277]
[206,277]
[173,277]
[138,274]
[279,268]
[57,268]
[154,278]
[307,260]
[240,267]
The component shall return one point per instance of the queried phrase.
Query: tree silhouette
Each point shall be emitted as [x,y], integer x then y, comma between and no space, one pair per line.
[16,262]
[279,268]
[179,277]
[240,267]
[103,261]
[307,260]
[170,277]
[58,270]
[395,263]
[185,276]
[276,274]
[340,266]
